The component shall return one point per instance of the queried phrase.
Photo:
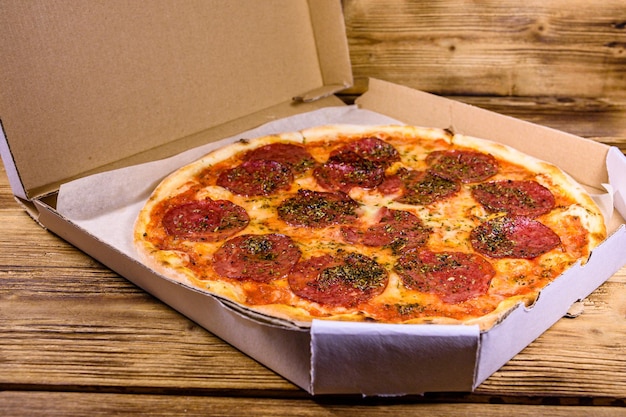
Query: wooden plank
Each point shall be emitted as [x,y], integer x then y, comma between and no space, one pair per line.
[500,48]
[122,343]
[56,404]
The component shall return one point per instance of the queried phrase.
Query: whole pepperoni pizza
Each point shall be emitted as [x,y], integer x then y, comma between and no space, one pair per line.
[394,224]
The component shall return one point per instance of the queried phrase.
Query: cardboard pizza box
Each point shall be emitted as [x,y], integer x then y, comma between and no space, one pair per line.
[88,87]
[91,94]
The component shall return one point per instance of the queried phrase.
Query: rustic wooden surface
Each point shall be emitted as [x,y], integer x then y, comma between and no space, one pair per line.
[555,48]
[77,339]
[536,60]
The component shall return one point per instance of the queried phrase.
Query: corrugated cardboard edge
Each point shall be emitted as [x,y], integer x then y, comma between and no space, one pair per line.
[15,181]
[616,166]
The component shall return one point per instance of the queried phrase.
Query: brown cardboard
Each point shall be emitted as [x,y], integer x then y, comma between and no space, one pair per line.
[88,85]
[425,358]
[567,152]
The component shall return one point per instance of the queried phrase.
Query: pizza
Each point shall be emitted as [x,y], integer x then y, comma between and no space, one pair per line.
[393,224]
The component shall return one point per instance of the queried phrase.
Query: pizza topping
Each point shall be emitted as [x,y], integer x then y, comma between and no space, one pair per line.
[345,281]
[462,165]
[361,163]
[346,170]
[278,232]
[290,154]
[373,149]
[419,187]
[391,184]
[259,258]
[205,220]
[513,237]
[256,177]
[396,229]
[453,276]
[318,209]
[517,198]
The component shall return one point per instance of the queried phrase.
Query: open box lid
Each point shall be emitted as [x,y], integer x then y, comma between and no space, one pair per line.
[85,86]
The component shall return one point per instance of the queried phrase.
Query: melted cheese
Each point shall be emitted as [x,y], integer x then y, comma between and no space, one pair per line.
[450,221]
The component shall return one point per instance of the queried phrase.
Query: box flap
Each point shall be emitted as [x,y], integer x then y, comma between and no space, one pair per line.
[392,359]
[548,144]
[87,84]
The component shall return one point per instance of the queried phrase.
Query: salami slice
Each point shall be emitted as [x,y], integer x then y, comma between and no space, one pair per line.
[517,198]
[344,281]
[205,220]
[421,187]
[513,237]
[397,229]
[346,170]
[453,276]
[259,258]
[256,177]
[373,149]
[292,155]
[318,209]
[391,184]
[462,165]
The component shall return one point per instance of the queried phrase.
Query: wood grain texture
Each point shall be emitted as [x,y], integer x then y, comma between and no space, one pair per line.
[34,404]
[559,63]
[570,48]
[78,339]
[83,327]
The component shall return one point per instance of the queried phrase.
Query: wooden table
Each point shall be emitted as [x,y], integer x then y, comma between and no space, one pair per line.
[76,338]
